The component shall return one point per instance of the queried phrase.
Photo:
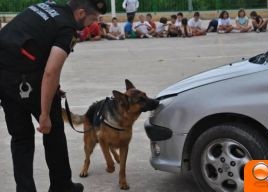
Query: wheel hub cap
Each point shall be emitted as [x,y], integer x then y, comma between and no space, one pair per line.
[222,165]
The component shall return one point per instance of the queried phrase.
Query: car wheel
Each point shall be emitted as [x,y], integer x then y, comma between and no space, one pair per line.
[220,154]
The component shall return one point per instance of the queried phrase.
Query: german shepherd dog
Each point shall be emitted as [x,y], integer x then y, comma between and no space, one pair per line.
[109,122]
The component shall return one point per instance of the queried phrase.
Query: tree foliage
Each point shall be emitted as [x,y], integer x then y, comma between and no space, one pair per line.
[228,4]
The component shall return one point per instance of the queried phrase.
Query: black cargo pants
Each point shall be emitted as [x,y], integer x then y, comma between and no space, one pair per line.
[18,113]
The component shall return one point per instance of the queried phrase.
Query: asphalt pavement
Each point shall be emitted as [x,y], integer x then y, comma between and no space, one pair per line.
[97,68]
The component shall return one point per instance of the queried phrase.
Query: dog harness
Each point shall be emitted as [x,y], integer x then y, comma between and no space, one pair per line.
[100,117]
[97,120]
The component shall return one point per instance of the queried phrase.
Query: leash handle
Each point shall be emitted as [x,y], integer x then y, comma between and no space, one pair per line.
[69,116]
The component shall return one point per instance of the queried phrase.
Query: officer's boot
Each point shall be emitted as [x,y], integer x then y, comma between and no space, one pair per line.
[74,187]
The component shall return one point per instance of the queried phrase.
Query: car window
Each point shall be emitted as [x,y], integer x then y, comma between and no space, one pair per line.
[261,59]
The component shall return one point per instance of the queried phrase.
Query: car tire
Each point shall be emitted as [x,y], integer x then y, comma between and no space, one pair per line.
[220,154]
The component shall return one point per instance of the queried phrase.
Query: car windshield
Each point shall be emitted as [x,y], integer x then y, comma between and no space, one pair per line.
[261,59]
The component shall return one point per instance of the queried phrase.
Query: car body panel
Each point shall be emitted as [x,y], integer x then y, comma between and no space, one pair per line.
[250,99]
[244,93]
[214,75]
[169,160]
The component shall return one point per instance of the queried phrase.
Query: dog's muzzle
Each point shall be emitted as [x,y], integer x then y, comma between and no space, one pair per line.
[151,104]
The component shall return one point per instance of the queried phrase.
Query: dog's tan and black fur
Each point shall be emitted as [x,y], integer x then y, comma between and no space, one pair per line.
[114,130]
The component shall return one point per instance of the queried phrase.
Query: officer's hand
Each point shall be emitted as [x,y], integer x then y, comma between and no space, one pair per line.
[44,124]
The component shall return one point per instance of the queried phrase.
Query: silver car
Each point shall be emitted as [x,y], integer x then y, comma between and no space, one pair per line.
[213,123]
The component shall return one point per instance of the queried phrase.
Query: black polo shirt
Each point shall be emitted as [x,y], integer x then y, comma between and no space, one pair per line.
[26,41]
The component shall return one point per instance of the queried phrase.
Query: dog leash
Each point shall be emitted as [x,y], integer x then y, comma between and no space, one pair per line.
[69,116]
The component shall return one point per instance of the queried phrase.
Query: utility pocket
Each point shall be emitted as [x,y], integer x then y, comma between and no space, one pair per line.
[28,51]
[30,54]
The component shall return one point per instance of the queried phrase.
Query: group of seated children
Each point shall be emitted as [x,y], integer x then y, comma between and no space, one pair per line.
[145,28]
[98,30]
[178,26]
[242,24]
[181,27]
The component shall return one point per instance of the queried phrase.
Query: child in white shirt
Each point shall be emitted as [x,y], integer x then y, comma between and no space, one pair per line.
[115,31]
[196,25]
[224,23]
[143,28]
[161,28]
[173,30]
[179,18]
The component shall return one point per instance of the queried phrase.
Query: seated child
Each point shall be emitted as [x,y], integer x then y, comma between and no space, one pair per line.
[259,24]
[196,25]
[185,29]
[115,31]
[104,27]
[91,32]
[143,28]
[173,30]
[242,22]
[129,32]
[212,26]
[179,18]
[149,19]
[224,23]
[161,28]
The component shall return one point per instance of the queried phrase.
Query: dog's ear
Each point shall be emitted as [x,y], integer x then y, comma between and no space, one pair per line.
[129,85]
[121,98]
[118,95]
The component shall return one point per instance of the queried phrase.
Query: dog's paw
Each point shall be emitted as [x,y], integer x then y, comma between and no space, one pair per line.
[83,174]
[110,169]
[124,186]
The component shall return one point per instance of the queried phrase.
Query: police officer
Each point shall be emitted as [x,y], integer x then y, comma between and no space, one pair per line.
[33,49]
